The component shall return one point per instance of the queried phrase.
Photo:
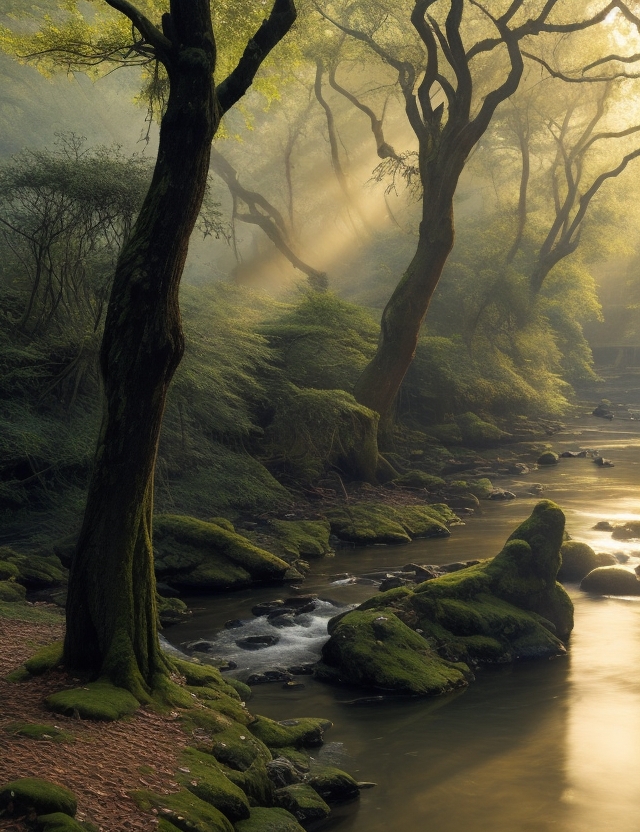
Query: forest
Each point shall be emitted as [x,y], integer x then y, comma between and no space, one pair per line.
[304,308]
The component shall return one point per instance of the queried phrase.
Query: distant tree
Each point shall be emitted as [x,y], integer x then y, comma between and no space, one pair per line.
[111,608]
[462,63]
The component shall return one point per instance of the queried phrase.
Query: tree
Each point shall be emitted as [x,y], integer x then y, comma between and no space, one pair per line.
[450,96]
[111,608]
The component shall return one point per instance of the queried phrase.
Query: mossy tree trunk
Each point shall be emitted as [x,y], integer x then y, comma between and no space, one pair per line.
[111,608]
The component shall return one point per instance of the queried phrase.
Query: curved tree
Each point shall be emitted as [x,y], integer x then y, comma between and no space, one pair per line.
[111,608]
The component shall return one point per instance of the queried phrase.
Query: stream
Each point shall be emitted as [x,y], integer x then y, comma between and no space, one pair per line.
[526,748]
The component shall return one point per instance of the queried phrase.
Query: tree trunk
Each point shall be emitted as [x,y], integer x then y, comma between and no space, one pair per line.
[111,608]
[404,313]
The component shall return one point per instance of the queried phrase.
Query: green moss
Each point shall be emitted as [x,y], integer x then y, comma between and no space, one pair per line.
[302,538]
[269,820]
[45,659]
[448,434]
[332,784]
[300,759]
[206,779]
[384,600]
[30,613]
[185,811]
[369,523]
[376,649]
[97,700]
[8,570]
[481,488]
[32,793]
[297,733]
[548,458]
[11,592]
[192,553]
[223,523]
[303,802]
[37,571]
[478,433]
[59,822]
[37,731]
[243,691]
[254,782]
[419,479]
[578,559]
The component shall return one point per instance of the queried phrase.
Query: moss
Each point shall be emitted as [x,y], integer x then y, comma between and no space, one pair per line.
[369,523]
[303,802]
[254,782]
[548,458]
[611,580]
[332,784]
[192,553]
[302,538]
[97,700]
[578,559]
[478,433]
[11,592]
[300,759]
[32,793]
[45,659]
[30,613]
[185,811]
[171,610]
[206,779]
[8,570]
[36,571]
[243,690]
[448,434]
[419,479]
[223,523]
[269,820]
[481,488]
[296,733]
[384,600]
[37,731]
[376,649]
[59,822]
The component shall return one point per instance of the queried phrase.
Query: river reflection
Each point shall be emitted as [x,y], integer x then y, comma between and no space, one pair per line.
[527,748]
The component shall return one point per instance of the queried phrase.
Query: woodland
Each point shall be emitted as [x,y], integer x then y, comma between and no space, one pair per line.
[251,254]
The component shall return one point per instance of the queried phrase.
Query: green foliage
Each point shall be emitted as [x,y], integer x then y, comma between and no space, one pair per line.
[323,342]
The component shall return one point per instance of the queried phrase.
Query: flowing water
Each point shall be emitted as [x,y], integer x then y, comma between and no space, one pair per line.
[526,748]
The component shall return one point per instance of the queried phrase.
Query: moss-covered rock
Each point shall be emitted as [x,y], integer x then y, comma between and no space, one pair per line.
[59,822]
[8,571]
[269,820]
[97,700]
[420,479]
[33,794]
[38,731]
[481,488]
[303,802]
[295,733]
[548,458]
[203,776]
[301,538]
[332,784]
[12,592]
[185,811]
[370,523]
[192,554]
[373,648]
[578,559]
[45,659]
[507,608]
[171,610]
[476,432]
[37,571]
[611,580]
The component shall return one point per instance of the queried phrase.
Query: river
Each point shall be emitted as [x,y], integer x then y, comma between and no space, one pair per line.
[526,748]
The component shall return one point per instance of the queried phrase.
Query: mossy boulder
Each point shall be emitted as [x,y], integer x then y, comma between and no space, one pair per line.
[38,731]
[304,732]
[477,432]
[374,648]
[8,571]
[194,555]
[59,822]
[33,794]
[504,609]
[98,700]
[304,803]
[370,523]
[45,659]
[548,458]
[578,559]
[301,538]
[185,811]
[203,776]
[171,610]
[37,571]
[11,592]
[611,580]
[332,784]
[269,820]
[420,479]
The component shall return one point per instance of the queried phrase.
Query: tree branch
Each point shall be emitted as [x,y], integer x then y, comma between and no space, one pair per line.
[150,33]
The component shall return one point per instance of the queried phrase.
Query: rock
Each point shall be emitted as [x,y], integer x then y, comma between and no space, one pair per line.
[548,458]
[391,582]
[300,600]
[578,559]
[172,611]
[290,733]
[31,794]
[12,592]
[233,624]
[627,531]
[257,642]
[35,571]
[301,538]
[301,669]
[611,580]
[285,620]
[621,557]
[310,607]
[520,468]
[501,494]
[601,462]
[370,523]
[499,610]
[422,572]
[266,607]
[446,568]
[199,646]
[269,820]
[282,772]
[293,685]
[332,784]
[191,554]
[419,479]
[603,412]
[604,526]
[206,779]
[269,676]
[304,802]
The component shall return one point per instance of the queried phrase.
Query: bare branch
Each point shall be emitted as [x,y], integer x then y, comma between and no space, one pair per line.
[150,33]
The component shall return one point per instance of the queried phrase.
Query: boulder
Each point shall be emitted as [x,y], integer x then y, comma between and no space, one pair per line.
[578,559]
[370,523]
[548,458]
[33,794]
[425,640]
[611,580]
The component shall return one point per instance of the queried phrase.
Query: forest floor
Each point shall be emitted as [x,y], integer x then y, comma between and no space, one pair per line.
[104,763]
